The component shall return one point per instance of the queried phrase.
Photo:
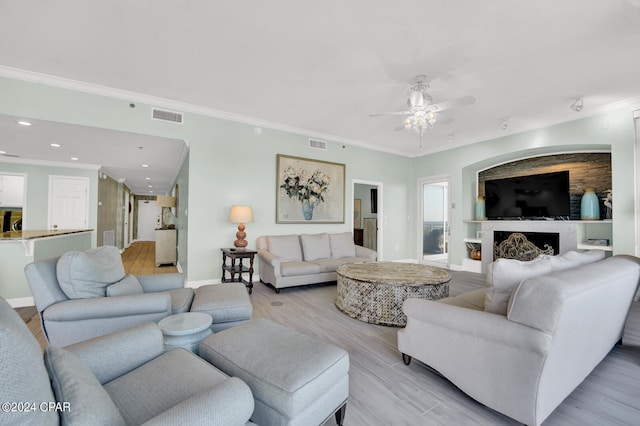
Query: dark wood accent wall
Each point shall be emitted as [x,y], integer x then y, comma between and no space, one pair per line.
[107,208]
[586,170]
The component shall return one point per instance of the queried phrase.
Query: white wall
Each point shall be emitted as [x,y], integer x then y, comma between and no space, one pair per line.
[612,131]
[228,164]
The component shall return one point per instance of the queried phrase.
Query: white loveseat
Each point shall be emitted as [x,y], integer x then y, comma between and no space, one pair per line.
[294,260]
[555,329]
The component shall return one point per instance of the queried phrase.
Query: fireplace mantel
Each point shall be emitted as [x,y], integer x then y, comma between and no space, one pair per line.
[572,233]
[567,230]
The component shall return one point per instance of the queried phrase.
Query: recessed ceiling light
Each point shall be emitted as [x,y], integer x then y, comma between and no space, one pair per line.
[151,192]
[148,178]
[24,123]
[74,158]
[149,186]
[145,165]
[55,145]
[3,152]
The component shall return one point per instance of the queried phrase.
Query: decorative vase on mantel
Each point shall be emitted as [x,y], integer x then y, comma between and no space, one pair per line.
[307,210]
[481,213]
[589,205]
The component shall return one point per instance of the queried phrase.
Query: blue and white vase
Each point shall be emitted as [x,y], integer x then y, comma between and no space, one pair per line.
[307,210]
[589,205]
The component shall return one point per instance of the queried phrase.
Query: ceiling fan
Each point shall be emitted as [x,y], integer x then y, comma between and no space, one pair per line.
[422,112]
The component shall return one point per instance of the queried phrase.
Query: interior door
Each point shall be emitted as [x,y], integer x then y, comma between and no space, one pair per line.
[68,202]
[434,226]
[149,214]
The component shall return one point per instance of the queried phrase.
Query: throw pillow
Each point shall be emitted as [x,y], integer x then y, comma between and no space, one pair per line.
[584,257]
[286,247]
[315,246]
[127,285]
[504,275]
[84,274]
[73,382]
[342,245]
[560,263]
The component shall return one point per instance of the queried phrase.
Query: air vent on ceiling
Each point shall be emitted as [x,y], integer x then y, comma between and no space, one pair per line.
[317,144]
[164,115]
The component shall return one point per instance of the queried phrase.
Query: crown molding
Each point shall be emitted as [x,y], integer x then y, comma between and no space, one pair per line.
[110,92]
[49,163]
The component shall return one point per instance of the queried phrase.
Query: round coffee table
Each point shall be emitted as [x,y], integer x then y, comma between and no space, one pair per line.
[374,291]
[185,330]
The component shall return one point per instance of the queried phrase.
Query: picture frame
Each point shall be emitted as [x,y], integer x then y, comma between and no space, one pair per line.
[309,191]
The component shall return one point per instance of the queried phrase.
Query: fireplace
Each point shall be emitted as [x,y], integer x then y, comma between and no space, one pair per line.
[565,231]
[524,245]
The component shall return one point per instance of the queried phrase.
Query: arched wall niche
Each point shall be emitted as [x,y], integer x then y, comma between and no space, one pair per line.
[589,167]
[586,170]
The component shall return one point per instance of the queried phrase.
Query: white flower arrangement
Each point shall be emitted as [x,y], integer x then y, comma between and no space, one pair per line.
[302,185]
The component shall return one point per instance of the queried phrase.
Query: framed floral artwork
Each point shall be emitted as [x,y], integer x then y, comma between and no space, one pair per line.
[309,191]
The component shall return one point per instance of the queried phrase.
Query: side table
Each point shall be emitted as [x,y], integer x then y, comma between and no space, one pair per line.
[185,330]
[238,268]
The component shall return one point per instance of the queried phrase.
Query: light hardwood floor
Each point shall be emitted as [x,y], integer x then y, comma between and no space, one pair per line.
[384,391]
[139,259]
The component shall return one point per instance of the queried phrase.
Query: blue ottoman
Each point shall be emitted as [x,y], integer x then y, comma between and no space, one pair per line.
[295,379]
[228,304]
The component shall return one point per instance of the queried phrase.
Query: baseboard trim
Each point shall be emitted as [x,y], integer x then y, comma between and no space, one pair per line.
[21,302]
[196,284]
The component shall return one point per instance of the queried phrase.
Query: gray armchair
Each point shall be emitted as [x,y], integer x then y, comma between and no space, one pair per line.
[116,379]
[95,297]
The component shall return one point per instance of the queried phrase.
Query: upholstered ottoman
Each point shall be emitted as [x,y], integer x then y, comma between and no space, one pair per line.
[228,304]
[295,379]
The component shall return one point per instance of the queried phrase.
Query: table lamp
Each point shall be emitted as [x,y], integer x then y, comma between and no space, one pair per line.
[166,202]
[240,215]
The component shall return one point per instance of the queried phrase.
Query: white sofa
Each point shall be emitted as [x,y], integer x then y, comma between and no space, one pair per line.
[294,260]
[555,329]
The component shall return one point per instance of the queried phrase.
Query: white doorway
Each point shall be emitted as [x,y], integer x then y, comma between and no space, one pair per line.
[433,220]
[367,213]
[149,214]
[68,202]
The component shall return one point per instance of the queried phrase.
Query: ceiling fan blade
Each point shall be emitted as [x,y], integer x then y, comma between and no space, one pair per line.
[390,113]
[441,119]
[442,106]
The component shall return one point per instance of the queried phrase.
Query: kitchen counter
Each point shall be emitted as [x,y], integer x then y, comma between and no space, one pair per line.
[19,248]
[30,235]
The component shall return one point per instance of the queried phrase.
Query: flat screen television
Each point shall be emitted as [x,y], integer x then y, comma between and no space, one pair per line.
[540,196]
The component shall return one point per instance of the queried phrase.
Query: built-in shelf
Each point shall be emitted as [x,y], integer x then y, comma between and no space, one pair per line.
[472,240]
[582,246]
[472,265]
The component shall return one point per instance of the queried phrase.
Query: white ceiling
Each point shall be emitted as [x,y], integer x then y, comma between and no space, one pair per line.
[120,155]
[322,67]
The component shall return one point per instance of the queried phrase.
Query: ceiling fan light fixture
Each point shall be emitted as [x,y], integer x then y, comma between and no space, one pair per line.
[420,121]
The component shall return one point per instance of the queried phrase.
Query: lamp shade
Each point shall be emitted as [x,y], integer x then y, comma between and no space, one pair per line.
[165,201]
[241,214]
